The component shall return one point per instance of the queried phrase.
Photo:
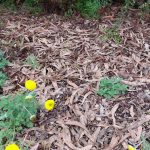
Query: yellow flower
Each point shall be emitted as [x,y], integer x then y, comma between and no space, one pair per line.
[131,147]
[30,85]
[49,104]
[12,146]
[29,97]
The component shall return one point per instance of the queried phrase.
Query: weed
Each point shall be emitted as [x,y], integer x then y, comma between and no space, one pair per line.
[145,8]
[8,4]
[109,87]
[69,12]
[3,78]
[33,6]
[146,144]
[35,10]
[136,4]
[32,61]
[3,61]
[31,3]
[15,112]
[129,3]
[112,34]
[89,8]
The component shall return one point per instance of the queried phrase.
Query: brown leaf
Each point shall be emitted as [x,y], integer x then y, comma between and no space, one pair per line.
[113,143]
[94,136]
[75,123]
[132,111]
[55,85]
[83,119]
[72,84]
[35,147]
[136,133]
[67,140]
[114,109]
[88,147]
[135,83]
[138,123]
[85,96]
[73,95]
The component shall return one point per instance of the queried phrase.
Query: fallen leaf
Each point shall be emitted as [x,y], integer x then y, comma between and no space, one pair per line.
[113,143]
[75,123]
[136,133]
[132,111]
[72,84]
[94,136]
[138,123]
[85,96]
[35,147]
[114,109]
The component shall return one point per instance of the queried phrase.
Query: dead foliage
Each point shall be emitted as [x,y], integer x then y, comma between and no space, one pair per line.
[72,59]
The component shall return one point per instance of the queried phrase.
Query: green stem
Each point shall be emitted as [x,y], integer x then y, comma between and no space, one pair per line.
[27,110]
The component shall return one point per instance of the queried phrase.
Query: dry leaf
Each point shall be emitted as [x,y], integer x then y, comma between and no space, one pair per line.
[141,121]
[35,147]
[132,111]
[75,123]
[85,96]
[113,143]
[114,109]
[94,136]
[136,133]
[72,84]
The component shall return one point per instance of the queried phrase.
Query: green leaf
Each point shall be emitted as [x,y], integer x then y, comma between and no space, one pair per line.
[3,78]
[3,61]
[15,113]
[110,87]
[146,144]
[32,61]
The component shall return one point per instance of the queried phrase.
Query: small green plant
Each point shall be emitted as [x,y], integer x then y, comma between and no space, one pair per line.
[69,12]
[33,6]
[136,4]
[3,61]
[145,8]
[31,3]
[32,61]
[8,4]
[145,143]
[110,87]
[112,34]
[3,78]
[15,113]
[89,8]
[35,10]
[129,3]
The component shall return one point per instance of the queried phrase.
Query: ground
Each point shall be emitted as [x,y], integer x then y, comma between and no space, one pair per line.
[73,55]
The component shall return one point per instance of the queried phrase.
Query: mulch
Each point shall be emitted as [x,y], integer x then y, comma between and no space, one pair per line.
[73,58]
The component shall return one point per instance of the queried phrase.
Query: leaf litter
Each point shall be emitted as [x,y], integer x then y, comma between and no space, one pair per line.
[72,59]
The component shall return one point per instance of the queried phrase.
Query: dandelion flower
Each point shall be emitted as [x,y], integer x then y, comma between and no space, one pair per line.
[30,85]
[12,146]
[131,147]
[49,104]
